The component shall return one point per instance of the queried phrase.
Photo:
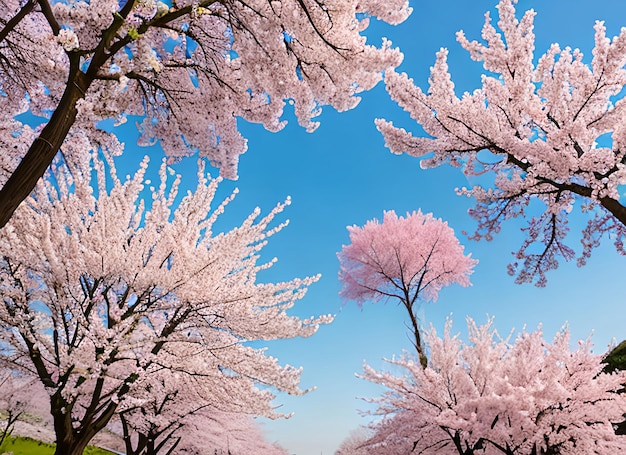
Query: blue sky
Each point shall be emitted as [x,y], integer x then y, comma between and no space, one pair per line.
[342,175]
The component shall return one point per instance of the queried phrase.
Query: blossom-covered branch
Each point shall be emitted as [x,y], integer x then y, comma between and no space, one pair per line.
[553,128]
[106,296]
[498,397]
[207,63]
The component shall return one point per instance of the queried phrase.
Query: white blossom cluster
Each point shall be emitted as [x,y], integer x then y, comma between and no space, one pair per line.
[113,302]
[496,396]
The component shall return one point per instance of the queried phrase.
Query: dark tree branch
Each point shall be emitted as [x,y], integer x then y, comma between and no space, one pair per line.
[12,23]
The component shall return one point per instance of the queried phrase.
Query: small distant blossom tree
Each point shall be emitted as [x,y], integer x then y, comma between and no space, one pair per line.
[186,69]
[104,294]
[528,397]
[549,129]
[410,259]
[20,395]
[201,432]
[155,417]
[169,409]
[226,433]
[355,443]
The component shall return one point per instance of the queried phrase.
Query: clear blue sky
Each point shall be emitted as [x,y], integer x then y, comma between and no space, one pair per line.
[342,175]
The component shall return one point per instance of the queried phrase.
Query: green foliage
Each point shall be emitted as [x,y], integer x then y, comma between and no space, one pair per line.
[28,446]
[91,450]
[616,359]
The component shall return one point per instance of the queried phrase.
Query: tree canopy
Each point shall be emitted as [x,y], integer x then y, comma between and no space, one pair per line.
[550,129]
[406,258]
[187,69]
[494,396]
[109,299]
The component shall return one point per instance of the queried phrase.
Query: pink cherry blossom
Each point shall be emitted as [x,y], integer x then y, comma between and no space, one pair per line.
[551,125]
[189,70]
[109,299]
[410,259]
[494,396]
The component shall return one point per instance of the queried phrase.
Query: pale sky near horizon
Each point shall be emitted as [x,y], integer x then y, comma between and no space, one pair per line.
[342,175]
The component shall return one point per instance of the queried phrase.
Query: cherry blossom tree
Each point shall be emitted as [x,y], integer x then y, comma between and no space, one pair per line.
[202,431]
[551,131]
[162,413]
[355,443]
[496,397]
[409,259]
[102,291]
[20,395]
[187,68]
[233,433]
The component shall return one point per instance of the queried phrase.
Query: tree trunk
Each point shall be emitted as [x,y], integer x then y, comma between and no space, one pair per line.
[70,440]
[73,447]
[41,153]
[417,338]
[8,429]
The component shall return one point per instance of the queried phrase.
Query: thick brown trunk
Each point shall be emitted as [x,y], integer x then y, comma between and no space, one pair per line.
[73,447]
[142,441]
[44,148]
[41,153]
[70,440]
